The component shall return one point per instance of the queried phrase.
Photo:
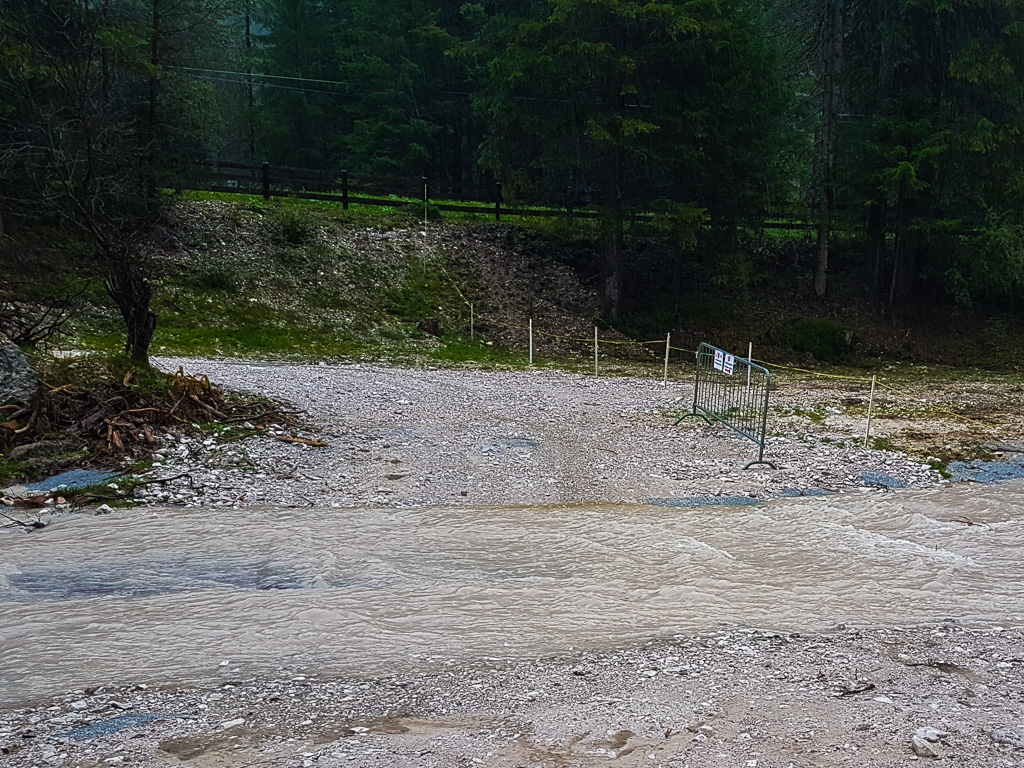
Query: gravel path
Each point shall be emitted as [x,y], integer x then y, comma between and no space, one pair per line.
[410,437]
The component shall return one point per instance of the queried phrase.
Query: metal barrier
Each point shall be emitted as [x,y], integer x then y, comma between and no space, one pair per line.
[734,391]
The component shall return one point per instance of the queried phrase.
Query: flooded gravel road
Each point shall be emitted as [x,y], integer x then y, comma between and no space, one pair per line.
[190,595]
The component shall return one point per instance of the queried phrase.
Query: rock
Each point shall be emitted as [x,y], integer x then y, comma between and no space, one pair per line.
[924,740]
[1007,736]
[39,448]
[922,747]
[17,377]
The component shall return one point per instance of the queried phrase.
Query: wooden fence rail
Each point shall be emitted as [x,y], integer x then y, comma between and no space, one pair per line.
[368,189]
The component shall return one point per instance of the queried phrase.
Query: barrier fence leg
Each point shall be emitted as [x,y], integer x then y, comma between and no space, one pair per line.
[668,346]
[531,341]
[871,405]
[595,350]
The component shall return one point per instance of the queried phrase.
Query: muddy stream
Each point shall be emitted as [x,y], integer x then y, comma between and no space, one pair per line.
[181,596]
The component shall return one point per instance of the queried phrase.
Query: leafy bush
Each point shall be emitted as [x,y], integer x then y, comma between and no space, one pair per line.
[826,340]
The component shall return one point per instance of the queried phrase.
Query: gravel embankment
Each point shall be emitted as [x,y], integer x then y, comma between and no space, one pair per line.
[407,437]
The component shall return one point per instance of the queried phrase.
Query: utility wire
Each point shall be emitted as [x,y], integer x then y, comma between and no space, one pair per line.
[316,80]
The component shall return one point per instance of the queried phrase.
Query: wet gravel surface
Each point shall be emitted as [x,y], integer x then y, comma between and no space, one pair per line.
[880,696]
[413,437]
[871,697]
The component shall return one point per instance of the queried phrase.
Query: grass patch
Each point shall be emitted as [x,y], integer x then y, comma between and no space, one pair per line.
[421,295]
[815,417]
[883,444]
[12,471]
[213,277]
[255,339]
[115,493]
[480,353]
[96,370]
[405,211]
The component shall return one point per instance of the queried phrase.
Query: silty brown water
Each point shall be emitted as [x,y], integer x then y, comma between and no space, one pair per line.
[191,596]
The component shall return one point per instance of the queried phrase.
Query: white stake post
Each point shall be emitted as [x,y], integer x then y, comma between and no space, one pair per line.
[871,404]
[668,346]
[595,350]
[471,322]
[531,341]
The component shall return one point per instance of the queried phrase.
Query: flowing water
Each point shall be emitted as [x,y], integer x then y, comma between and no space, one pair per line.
[190,596]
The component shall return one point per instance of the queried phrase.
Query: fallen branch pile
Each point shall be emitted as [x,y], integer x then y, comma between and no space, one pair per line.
[117,419]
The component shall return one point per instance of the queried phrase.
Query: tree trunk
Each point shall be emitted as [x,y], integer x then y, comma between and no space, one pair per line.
[154,85]
[897,250]
[612,246]
[832,53]
[612,239]
[824,241]
[876,244]
[132,293]
[250,96]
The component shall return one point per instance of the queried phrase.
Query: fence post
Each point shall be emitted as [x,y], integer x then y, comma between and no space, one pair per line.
[871,405]
[471,322]
[426,196]
[668,346]
[595,350]
[497,201]
[266,180]
[344,190]
[750,359]
[531,341]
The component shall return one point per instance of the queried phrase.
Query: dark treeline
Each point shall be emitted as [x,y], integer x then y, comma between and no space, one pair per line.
[896,129]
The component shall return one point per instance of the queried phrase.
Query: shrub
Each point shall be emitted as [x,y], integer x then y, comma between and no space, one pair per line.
[214,277]
[296,226]
[414,212]
[826,340]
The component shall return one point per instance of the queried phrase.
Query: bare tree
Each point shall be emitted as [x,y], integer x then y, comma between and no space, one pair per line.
[72,149]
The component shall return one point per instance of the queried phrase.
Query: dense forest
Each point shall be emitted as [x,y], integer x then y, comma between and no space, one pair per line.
[892,130]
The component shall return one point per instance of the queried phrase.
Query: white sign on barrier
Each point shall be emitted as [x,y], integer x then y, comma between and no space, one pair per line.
[719,359]
[730,362]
